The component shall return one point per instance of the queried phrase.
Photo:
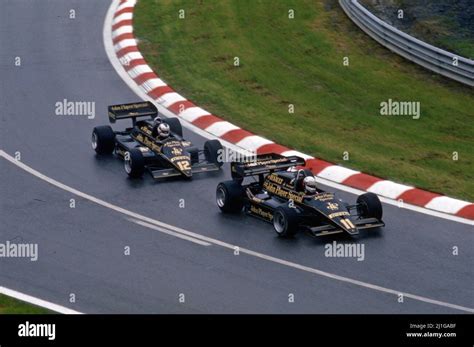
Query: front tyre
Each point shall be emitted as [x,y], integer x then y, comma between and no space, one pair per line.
[134,163]
[103,139]
[370,206]
[212,151]
[285,221]
[230,197]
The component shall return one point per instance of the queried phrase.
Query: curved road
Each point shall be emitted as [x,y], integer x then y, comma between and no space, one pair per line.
[81,250]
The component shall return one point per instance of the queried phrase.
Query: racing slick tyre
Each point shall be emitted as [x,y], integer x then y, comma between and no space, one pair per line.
[175,126]
[103,139]
[134,163]
[212,149]
[230,197]
[371,206]
[285,221]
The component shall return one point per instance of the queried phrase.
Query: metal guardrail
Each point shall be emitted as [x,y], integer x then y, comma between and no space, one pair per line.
[435,59]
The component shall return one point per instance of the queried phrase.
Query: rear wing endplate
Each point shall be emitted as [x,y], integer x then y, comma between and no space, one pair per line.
[264,163]
[133,110]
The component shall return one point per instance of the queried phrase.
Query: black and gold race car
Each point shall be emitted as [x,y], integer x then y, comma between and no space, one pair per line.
[143,149]
[276,196]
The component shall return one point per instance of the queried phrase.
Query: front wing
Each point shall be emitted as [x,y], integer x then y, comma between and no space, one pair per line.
[159,173]
[365,223]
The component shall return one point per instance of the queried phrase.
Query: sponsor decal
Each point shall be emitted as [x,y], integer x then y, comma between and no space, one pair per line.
[146,130]
[177,151]
[173,143]
[266,162]
[259,211]
[147,142]
[274,178]
[128,107]
[338,214]
[277,190]
[324,197]
[180,158]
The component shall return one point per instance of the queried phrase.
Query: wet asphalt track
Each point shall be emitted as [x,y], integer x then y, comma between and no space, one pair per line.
[81,250]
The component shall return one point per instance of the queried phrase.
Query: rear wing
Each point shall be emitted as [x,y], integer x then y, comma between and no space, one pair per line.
[133,110]
[264,163]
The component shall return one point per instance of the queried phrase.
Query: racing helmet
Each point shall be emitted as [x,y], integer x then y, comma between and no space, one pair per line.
[309,184]
[163,130]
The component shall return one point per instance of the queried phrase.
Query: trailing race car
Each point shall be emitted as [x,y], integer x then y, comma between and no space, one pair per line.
[289,198]
[154,144]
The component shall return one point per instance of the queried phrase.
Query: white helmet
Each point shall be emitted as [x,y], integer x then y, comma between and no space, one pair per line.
[309,184]
[163,130]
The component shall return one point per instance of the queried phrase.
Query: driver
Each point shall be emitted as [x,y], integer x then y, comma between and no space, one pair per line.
[160,129]
[163,131]
[309,184]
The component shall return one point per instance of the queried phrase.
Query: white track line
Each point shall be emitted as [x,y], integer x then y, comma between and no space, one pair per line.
[109,49]
[38,302]
[228,245]
[169,232]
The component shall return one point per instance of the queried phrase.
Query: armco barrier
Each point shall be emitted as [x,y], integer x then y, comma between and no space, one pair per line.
[442,62]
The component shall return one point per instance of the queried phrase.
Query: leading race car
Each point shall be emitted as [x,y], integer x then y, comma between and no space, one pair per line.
[290,199]
[154,144]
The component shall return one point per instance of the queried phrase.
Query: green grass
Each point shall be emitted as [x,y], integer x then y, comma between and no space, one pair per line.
[9,305]
[299,62]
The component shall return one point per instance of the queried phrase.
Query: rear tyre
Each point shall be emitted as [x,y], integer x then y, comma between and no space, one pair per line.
[370,206]
[103,139]
[175,126]
[212,150]
[230,197]
[285,221]
[134,163]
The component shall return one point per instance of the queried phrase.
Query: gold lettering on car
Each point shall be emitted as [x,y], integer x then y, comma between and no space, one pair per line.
[147,142]
[180,158]
[266,162]
[338,214]
[129,107]
[146,130]
[324,197]
[260,212]
[279,191]
[332,206]
[177,151]
[275,178]
[183,165]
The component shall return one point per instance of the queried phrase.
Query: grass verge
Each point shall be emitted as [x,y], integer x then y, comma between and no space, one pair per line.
[10,305]
[300,61]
